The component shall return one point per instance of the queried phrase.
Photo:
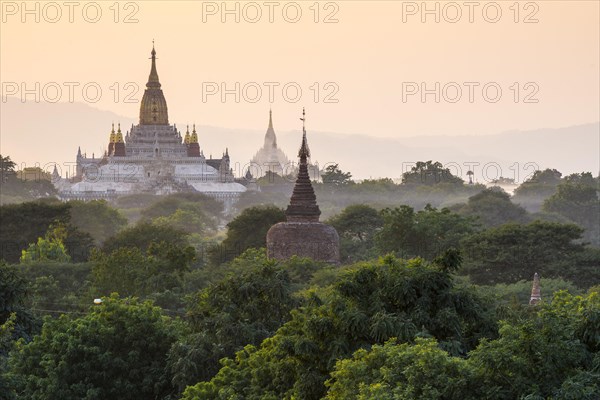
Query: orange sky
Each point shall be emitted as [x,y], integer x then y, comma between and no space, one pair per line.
[368,55]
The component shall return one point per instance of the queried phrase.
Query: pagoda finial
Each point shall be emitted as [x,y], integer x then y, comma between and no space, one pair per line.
[194,136]
[153,78]
[304,152]
[119,135]
[536,295]
[270,118]
[187,138]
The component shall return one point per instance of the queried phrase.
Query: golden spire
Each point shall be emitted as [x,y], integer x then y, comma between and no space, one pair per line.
[194,138]
[153,108]
[119,137]
[113,136]
[186,140]
[153,78]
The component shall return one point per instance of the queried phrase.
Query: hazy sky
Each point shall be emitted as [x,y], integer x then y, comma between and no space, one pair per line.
[375,61]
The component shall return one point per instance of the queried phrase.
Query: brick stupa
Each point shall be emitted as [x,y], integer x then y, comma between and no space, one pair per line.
[302,234]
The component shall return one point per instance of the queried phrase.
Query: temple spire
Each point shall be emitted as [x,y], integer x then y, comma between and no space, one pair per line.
[536,295]
[153,108]
[270,119]
[303,204]
[304,152]
[153,78]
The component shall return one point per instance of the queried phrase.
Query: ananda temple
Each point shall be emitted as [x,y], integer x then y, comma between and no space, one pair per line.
[270,157]
[151,157]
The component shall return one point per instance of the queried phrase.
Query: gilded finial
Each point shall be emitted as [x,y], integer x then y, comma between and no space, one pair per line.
[153,81]
[194,137]
[119,135]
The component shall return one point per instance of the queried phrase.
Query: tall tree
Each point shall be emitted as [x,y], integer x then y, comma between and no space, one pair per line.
[131,271]
[247,230]
[7,168]
[493,207]
[427,233]
[116,351]
[241,309]
[97,219]
[514,252]
[541,185]
[429,173]
[577,199]
[357,225]
[49,248]
[333,175]
[142,235]
[368,305]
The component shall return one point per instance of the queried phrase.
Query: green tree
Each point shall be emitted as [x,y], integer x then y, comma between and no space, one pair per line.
[116,351]
[48,248]
[429,173]
[400,372]
[241,309]
[368,305]
[96,218]
[542,356]
[427,233]
[7,168]
[577,199]
[357,225]
[189,212]
[493,208]
[142,235]
[134,272]
[247,230]
[333,175]
[541,185]
[514,252]
[13,298]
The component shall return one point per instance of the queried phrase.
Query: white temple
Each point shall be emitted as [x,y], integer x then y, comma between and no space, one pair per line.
[152,157]
[270,157]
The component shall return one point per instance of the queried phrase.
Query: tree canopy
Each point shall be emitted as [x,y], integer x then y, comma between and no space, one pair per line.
[247,230]
[117,350]
[429,173]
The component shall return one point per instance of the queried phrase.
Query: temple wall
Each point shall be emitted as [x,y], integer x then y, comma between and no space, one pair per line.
[314,240]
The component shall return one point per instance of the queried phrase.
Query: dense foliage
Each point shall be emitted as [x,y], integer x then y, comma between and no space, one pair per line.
[117,350]
[247,230]
[431,299]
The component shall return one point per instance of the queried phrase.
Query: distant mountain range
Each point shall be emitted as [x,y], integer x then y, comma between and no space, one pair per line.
[46,133]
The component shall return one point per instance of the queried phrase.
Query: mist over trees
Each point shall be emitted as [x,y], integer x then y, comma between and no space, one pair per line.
[169,297]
